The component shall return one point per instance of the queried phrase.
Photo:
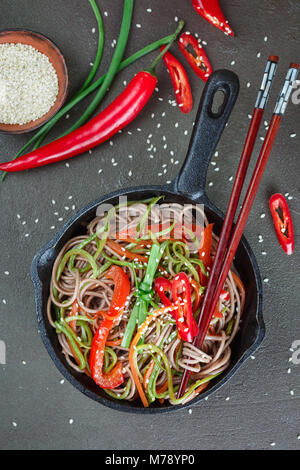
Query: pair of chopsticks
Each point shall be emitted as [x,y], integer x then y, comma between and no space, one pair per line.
[227,247]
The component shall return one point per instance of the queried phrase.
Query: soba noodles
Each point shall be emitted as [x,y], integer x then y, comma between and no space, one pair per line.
[84,288]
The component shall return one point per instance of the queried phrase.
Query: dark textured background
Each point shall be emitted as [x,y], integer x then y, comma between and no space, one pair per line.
[259,408]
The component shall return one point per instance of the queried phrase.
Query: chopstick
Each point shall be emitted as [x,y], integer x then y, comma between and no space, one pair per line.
[221,267]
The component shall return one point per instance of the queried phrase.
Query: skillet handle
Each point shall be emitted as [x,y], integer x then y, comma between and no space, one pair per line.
[207,131]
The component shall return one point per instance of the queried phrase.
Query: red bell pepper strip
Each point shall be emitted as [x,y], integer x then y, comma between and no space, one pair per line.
[282,222]
[121,292]
[186,323]
[180,82]
[211,11]
[199,60]
[162,285]
[115,377]
[102,127]
[205,253]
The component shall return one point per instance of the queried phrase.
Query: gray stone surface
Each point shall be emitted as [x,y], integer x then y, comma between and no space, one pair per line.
[259,407]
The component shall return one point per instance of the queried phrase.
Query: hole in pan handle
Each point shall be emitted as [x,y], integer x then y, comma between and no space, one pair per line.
[210,122]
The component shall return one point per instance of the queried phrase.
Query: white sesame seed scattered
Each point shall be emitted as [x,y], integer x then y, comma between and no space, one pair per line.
[232,62]
[6,273]
[265,38]
[14,424]
[4,301]
[273,444]
[266,279]
[293,135]
[138,25]
[71,421]
[93,30]
[292,392]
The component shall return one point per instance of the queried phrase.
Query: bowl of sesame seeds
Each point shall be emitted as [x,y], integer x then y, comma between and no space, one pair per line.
[33,80]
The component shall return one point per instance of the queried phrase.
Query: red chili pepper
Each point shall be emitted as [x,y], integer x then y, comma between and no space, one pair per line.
[211,11]
[101,128]
[282,222]
[205,253]
[115,377]
[163,285]
[121,292]
[199,60]
[186,323]
[180,82]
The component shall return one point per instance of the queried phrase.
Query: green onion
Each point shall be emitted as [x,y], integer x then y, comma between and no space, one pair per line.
[144,293]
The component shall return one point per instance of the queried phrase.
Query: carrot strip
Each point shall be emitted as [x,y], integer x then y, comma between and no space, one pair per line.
[147,375]
[201,387]
[134,256]
[114,342]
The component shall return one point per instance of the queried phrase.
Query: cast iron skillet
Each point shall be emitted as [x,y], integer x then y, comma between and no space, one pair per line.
[188,187]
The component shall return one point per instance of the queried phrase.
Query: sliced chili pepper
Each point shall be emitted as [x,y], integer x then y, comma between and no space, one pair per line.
[186,323]
[121,290]
[282,222]
[99,129]
[205,253]
[163,285]
[115,377]
[180,81]
[198,60]
[211,11]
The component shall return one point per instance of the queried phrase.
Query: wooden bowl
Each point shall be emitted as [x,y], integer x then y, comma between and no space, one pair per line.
[47,47]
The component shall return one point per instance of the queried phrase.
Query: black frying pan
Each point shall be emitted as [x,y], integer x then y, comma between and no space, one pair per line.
[188,187]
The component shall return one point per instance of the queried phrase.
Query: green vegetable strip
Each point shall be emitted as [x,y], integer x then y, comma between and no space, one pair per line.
[170,392]
[63,329]
[109,365]
[131,325]
[145,216]
[113,68]
[77,251]
[122,396]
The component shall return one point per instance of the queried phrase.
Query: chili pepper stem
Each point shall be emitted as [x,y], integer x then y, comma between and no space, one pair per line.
[154,64]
